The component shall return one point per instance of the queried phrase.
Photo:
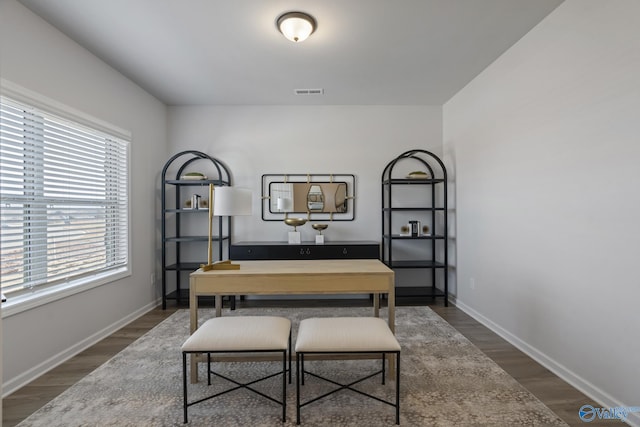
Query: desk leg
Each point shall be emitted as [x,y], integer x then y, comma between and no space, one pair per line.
[392,310]
[391,302]
[193,314]
[376,305]
[218,305]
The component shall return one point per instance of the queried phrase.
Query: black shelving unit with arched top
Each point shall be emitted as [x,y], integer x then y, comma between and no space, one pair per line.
[184,229]
[421,259]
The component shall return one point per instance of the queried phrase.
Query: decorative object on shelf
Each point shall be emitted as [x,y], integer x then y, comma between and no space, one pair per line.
[417,175]
[227,201]
[405,230]
[319,197]
[194,176]
[294,236]
[415,228]
[195,201]
[203,204]
[320,236]
[425,230]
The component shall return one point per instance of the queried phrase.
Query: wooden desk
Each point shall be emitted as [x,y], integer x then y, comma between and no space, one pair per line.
[302,277]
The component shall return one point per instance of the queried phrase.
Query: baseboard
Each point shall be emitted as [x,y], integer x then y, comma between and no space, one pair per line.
[595,393]
[26,377]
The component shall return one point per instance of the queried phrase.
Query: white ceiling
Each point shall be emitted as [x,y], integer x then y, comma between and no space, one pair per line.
[369,52]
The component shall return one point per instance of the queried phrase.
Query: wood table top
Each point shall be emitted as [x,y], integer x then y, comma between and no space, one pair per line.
[316,267]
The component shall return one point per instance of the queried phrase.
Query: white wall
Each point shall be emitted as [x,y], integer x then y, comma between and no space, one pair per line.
[545,148]
[257,140]
[40,58]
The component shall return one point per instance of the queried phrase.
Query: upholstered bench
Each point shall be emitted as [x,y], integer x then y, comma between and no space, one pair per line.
[240,334]
[345,335]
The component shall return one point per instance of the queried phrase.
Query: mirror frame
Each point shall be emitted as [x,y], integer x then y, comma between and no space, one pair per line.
[348,179]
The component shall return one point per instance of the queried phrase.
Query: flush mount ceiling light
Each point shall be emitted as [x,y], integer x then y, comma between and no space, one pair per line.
[296,26]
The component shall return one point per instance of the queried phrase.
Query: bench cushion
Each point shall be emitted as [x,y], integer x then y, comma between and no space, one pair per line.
[240,333]
[345,334]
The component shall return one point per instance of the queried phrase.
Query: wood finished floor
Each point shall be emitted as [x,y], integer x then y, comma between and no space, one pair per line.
[559,396]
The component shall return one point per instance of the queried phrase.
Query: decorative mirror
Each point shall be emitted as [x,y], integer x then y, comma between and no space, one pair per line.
[313,196]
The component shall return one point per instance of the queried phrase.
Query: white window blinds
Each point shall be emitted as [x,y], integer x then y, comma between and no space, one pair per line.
[63,199]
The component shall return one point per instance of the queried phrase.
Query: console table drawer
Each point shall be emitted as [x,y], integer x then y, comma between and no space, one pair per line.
[248,252]
[285,251]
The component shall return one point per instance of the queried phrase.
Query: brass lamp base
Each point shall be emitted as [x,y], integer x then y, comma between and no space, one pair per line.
[220,265]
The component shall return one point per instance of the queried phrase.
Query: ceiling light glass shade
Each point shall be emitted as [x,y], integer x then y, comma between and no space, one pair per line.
[296,26]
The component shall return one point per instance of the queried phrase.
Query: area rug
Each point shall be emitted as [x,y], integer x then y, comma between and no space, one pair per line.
[446,381]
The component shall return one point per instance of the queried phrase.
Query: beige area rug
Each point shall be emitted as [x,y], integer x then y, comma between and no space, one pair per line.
[446,381]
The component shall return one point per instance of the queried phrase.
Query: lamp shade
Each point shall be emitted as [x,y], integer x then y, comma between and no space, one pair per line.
[231,201]
[296,26]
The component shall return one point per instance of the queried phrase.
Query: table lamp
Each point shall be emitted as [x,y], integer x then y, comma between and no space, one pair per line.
[225,201]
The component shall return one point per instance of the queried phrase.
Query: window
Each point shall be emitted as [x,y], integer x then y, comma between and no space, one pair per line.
[63,200]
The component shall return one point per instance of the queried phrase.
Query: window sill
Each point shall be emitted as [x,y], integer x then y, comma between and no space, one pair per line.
[28,301]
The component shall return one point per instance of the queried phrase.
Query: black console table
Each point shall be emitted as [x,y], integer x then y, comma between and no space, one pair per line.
[306,250]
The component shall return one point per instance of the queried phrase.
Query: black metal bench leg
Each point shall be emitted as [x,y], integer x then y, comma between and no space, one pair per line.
[398,388]
[284,386]
[298,362]
[184,385]
[290,357]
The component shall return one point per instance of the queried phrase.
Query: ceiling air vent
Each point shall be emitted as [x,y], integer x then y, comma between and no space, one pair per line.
[309,91]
